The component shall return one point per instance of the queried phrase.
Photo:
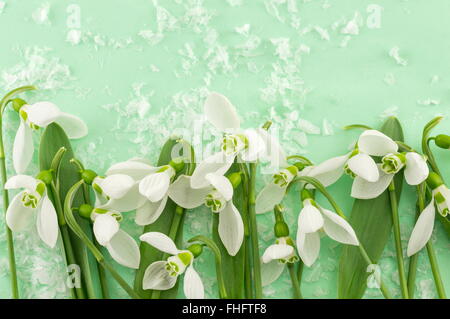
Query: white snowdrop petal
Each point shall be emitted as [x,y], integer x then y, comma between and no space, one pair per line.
[221,113]
[184,195]
[160,241]
[269,196]
[193,286]
[47,222]
[422,231]
[23,148]
[416,170]
[231,229]
[308,247]
[73,126]
[310,219]
[338,228]
[373,142]
[364,166]
[124,250]
[156,277]
[149,212]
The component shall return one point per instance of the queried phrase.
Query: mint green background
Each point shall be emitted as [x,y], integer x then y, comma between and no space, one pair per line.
[99,80]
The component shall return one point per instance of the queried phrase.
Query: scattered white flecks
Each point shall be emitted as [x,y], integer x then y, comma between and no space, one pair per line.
[326,5]
[2,6]
[282,48]
[320,292]
[154,68]
[308,127]
[165,21]
[427,289]
[73,36]
[234,3]
[299,137]
[37,68]
[389,78]
[41,14]
[324,35]
[243,30]
[351,28]
[391,111]
[304,49]
[327,127]
[428,102]
[345,41]
[435,79]
[394,52]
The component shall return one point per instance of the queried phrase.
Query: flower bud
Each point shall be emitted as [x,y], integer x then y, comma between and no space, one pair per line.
[235,179]
[88,176]
[17,104]
[45,176]
[442,141]
[281,229]
[85,211]
[434,180]
[393,163]
[177,164]
[196,249]
[300,166]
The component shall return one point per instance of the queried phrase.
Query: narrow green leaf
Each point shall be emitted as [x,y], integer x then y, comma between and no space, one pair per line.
[148,253]
[372,222]
[52,140]
[233,266]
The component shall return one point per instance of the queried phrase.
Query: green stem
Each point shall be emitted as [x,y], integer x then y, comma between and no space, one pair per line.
[398,242]
[413,260]
[176,221]
[102,275]
[295,281]
[9,237]
[300,268]
[72,223]
[119,279]
[67,243]
[318,185]
[247,244]
[218,258]
[435,270]
[101,270]
[254,232]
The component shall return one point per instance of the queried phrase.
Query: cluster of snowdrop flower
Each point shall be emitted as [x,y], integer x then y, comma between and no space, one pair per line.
[137,185]
[33,198]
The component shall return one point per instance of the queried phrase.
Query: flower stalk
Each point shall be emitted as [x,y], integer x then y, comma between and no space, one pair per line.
[398,243]
[9,237]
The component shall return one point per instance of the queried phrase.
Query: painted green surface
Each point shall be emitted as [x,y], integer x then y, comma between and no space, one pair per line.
[345,79]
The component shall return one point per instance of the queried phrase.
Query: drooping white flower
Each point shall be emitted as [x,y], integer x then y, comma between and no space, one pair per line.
[311,220]
[415,169]
[163,275]
[32,200]
[275,258]
[358,163]
[121,246]
[423,229]
[273,193]
[248,145]
[38,115]
[150,190]
[217,195]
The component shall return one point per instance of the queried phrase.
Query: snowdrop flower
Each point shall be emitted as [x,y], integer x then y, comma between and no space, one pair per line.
[273,193]
[423,229]
[163,275]
[275,258]
[249,145]
[34,116]
[311,220]
[33,199]
[121,246]
[358,163]
[151,188]
[415,169]
[217,195]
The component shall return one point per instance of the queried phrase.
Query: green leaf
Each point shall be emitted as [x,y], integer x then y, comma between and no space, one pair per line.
[150,254]
[372,222]
[52,140]
[232,266]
